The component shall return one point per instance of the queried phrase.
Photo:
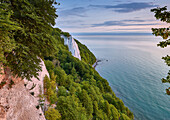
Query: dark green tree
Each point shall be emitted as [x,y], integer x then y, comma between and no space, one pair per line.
[83,93]
[62,91]
[70,108]
[87,103]
[7,42]
[25,27]
[163,15]
[52,114]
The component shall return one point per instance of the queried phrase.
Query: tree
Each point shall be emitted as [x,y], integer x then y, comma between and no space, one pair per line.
[163,15]
[86,102]
[52,114]
[70,108]
[50,89]
[7,42]
[25,27]
[124,117]
[62,91]
[49,65]
[80,86]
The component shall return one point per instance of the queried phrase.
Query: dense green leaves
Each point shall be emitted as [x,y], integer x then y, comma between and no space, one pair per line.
[83,94]
[25,27]
[163,15]
[52,114]
[50,89]
[26,35]
[7,42]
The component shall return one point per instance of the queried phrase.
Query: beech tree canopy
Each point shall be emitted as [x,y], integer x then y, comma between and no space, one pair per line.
[25,27]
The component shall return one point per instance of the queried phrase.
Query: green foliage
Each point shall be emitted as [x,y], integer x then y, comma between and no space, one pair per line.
[65,34]
[50,89]
[7,42]
[49,65]
[86,102]
[83,94]
[25,28]
[163,15]
[26,35]
[124,117]
[62,91]
[52,114]
[114,113]
[71,108]
[86,54]
[2,84]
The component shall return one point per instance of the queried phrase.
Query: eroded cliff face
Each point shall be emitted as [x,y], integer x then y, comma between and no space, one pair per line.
[72,45]
[16,102]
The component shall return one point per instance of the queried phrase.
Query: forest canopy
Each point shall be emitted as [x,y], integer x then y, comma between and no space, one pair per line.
[26,35]
[82,93]
[25,27]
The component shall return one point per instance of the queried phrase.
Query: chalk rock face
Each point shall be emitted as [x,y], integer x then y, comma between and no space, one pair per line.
[72,45]
[39,87]
[16,102]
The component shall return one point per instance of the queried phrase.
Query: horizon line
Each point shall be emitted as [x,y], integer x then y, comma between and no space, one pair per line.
[110,33]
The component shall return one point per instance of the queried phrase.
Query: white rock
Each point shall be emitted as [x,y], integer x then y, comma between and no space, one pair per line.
[72,45]
[39,83]
[17,103]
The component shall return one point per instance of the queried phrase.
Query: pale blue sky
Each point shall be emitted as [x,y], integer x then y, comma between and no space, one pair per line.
[81,16]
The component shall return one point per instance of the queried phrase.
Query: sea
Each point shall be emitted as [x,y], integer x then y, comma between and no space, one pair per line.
[132,65]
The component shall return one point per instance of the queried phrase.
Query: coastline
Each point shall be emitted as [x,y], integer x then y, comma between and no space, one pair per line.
[96,63]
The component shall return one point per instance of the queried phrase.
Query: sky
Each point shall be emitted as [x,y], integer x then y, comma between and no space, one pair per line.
[110,16]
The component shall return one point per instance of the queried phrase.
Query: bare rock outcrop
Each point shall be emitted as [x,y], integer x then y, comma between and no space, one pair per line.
[72,45]
[16,102]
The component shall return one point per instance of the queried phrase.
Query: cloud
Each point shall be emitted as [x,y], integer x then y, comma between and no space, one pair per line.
[134,20]
[127,7]
[122,23]
[77,11]
[69,21]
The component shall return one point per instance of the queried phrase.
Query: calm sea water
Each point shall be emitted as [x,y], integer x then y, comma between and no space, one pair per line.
[134,70]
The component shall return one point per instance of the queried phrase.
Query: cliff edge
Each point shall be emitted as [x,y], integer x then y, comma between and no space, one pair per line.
[72,45]
[19,98]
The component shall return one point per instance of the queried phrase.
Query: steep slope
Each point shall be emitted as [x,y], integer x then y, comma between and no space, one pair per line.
[83,94]
[16,102]
[86,54]
[72,45]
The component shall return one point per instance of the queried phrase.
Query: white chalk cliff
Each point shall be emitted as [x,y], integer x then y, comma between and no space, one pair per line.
[72,45]
[16,103]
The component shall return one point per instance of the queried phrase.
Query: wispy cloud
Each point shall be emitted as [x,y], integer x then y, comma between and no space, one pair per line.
[123,23]
[77,11]
[126,7]
[69,22]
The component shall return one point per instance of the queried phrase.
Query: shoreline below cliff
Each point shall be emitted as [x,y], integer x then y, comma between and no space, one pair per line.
[96,63]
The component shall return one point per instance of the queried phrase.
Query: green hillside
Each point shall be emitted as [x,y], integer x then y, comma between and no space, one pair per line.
[83,94]
[86,54]
[27,34]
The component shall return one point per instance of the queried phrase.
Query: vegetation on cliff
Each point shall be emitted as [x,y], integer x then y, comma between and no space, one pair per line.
[25,27]
[26,34]
[86,54]
[83,94]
